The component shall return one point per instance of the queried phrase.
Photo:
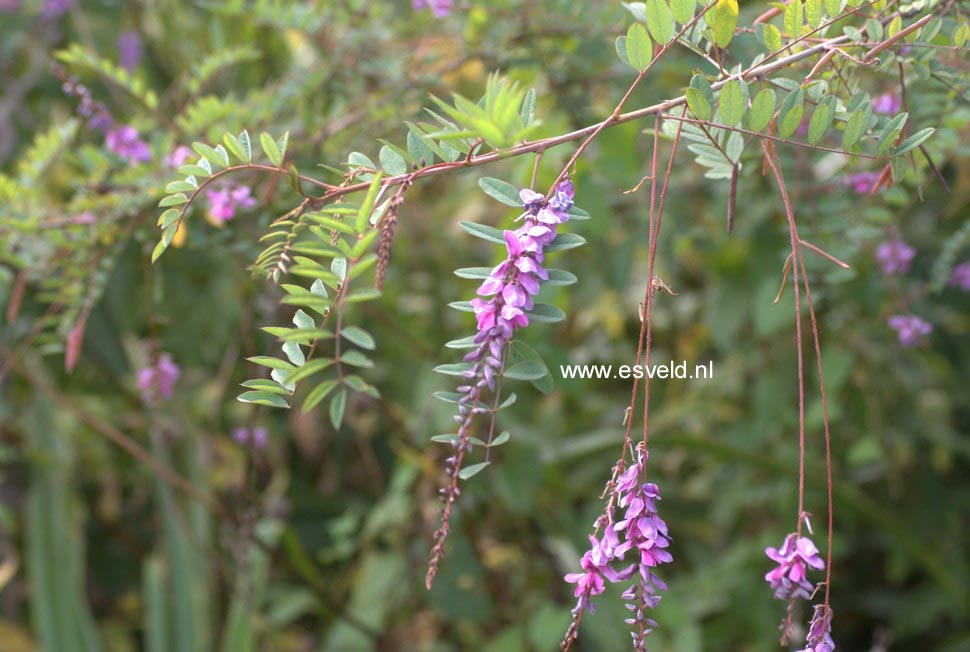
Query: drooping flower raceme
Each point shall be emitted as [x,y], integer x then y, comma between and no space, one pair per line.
[640,532]
[500,309]
[157,381]
[789,579]
[819,638]
[895,256]
[910,328]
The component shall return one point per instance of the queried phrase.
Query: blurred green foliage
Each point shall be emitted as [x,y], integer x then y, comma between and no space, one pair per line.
[326,546]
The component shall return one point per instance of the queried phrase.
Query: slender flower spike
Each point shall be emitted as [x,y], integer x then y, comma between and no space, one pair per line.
[157,381]
[819,638]
[789,578]
[501,308]
[895,257]
[910,328]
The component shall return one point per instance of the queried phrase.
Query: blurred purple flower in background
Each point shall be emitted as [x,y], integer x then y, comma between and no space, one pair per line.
[960,277]
[156,382]
[125,142]
[895,256]
[56,8]
[9,6]
[253,438]
[129,49]
[179,156]
[224,203]
[441,8]
[910,328]
[886,103]
[863,182]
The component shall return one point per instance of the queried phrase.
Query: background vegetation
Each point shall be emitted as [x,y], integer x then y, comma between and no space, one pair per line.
[327,539]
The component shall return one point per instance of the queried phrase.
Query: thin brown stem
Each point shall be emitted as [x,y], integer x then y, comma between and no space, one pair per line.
[828,436]
[775,166]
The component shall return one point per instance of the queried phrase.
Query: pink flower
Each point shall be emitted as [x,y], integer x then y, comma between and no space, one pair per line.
[224,203]
[796,555]
[819,637]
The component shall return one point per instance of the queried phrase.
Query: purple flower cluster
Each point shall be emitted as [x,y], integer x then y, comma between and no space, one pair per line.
[506,295]
[910,328]
[500,309]
[960,277]
[124,141]
[895,256]
[224,203]
[640,530]
[441,8]
[819,638]
[886,103]
[253,438]
[157,381]
[789,579]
